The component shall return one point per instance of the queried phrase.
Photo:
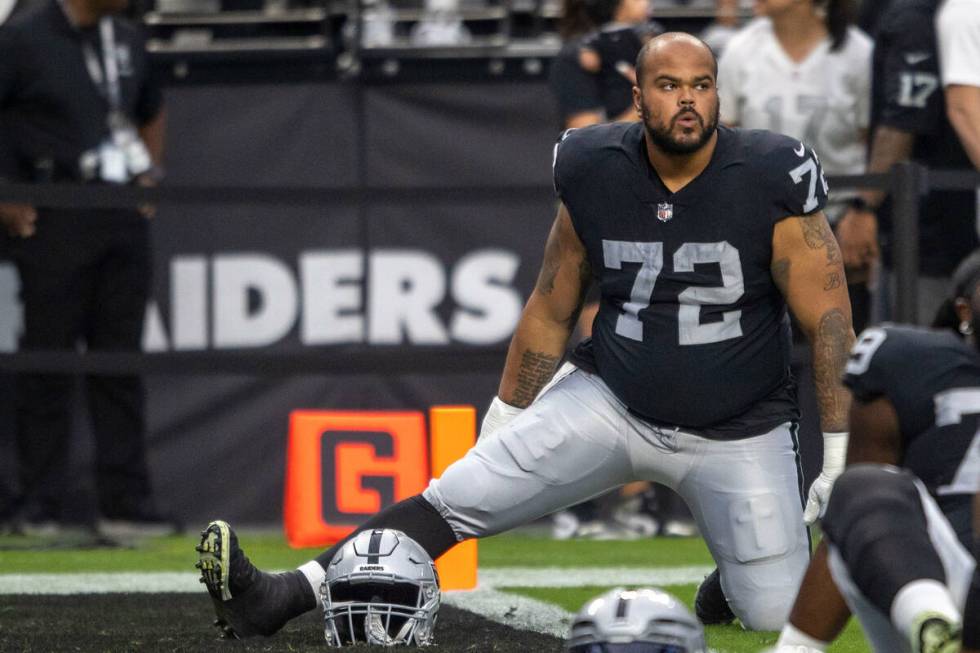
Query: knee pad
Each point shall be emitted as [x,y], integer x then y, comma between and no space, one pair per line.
[759,529]
[869,502]
[876,522]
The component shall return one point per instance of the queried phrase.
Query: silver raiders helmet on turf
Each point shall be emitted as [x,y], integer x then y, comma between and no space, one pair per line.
[635,621]
[381,588]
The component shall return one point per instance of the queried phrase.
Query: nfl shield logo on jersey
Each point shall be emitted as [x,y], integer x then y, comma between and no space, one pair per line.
[665,211]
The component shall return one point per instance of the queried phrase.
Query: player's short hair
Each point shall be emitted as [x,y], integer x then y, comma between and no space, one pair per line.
[964,283]
[670,36]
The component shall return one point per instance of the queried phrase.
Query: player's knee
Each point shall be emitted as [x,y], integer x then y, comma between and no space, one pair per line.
[868,502]
[767,609]
[462,495]
[765,554]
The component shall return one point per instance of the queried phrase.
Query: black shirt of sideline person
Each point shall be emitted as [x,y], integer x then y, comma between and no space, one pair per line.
[576,90]
[51,110]
[907,94]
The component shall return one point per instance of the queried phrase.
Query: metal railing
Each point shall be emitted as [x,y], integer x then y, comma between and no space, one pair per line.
[907,182]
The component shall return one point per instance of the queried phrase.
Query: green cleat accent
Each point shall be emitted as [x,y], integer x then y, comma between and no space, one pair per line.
[214,559]
[262,603]
[933,632]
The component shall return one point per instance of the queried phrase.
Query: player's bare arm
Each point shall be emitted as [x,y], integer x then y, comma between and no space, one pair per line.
[858,229]
[549,315]
[875,435]
[963,111]
[808,269]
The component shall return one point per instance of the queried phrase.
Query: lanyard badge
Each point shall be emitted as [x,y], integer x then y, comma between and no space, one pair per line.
[124,155]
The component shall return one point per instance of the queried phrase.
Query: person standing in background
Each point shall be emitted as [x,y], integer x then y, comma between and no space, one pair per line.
[958,33]
[725,25]
[576,91]
[908,118]
[78,105]
[9,322]
[804,70]
[609,52]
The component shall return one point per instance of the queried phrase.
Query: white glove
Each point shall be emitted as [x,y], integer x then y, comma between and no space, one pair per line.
[834,453]
[498,415]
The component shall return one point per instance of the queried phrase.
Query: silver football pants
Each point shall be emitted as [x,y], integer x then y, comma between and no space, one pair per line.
[957,563]
[577,441]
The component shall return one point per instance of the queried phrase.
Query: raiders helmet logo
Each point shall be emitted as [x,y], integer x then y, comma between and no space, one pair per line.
[665,211]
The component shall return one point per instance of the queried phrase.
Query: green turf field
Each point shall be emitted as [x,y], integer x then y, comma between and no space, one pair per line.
[19,555]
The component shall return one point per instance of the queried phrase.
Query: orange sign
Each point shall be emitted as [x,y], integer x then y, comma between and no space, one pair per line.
[344,466]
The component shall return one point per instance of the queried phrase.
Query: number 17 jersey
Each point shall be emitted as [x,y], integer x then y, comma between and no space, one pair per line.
[692,330]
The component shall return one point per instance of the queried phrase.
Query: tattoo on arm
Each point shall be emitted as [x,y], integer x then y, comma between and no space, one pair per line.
[831,346]
[536,369]
[817,234]
[833,281]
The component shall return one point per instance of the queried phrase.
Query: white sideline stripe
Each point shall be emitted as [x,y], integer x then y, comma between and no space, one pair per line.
[520,612]
[582,576]
[100,583]
[178,581]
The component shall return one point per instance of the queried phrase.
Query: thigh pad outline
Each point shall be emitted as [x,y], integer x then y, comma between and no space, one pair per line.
[758,528]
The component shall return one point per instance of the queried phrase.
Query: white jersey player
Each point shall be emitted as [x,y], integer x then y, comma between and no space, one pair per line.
[821,98]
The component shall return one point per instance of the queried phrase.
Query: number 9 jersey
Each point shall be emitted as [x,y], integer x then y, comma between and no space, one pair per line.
[932,379]
[691,330]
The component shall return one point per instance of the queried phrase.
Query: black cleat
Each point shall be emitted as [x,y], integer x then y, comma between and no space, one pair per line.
[710,604]
[247,602]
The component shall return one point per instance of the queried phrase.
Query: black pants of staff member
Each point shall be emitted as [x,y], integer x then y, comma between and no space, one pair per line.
[85,277]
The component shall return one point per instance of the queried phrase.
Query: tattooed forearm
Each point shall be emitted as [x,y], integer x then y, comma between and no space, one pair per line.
[831,344]
[535,370]
[817,234]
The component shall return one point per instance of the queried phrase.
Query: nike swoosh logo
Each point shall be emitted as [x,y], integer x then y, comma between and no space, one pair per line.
[801,151]
[913,58]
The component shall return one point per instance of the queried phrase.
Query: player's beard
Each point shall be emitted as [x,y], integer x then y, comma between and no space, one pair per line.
[663,137]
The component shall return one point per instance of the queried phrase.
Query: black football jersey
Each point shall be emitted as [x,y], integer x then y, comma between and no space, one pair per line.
[907,94]
[691,329]
[933,380]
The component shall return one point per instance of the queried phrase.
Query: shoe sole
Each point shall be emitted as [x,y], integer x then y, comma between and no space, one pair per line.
[937,635]
[213,560]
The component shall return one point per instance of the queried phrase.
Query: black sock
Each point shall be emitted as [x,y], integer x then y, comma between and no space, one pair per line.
[303,597]
[415,517]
